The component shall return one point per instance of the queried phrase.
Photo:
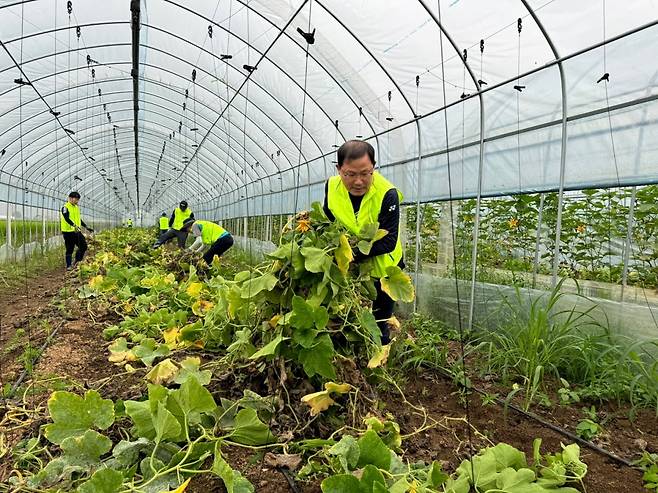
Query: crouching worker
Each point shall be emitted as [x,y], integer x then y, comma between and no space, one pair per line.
[70,223]
[176,230]
[210,237]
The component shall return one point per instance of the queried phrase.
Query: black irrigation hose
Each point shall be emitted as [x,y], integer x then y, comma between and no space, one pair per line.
[546,424]
[289,478]
[22,376]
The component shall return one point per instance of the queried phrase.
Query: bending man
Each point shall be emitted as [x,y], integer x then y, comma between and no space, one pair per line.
[358,196]
[70,224]
[176,230]
[210,237]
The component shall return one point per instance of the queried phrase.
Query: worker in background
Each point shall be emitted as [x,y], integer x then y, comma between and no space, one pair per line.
[163,224]
[71,222]
[357,196]
[129,223]
[210,237]
[178,217]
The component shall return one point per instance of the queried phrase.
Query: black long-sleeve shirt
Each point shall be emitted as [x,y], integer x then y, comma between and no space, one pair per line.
[389,219]
[173,215]
[65,213]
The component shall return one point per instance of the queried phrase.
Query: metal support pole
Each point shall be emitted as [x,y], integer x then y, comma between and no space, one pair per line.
[628,243]
[535,264]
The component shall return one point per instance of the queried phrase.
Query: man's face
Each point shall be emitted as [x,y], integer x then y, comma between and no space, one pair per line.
[74,200]
[357,175]
[183,207]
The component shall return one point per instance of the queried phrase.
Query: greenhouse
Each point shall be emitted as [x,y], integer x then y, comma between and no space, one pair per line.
[328,246]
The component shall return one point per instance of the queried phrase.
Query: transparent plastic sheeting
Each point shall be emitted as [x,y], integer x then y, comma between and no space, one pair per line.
[437,297]
[270,149]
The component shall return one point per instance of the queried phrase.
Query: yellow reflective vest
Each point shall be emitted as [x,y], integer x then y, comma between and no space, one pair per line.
[180,216]
[164,223]
[210,232]
[339,204]
[74,216]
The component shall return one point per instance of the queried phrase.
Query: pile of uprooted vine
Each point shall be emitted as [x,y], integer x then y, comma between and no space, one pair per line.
[284,355]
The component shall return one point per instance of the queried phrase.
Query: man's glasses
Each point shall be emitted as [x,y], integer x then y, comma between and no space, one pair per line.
[350,175]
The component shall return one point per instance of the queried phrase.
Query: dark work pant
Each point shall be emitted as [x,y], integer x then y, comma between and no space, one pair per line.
[171,234]
[71,240]
[161,232]
[382,309]
[218,248]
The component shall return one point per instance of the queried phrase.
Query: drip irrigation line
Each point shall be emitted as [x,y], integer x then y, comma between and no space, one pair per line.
[543,422]
[25,371]
[290,479]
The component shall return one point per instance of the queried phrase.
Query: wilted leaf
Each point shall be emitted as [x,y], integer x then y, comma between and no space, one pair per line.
[380,357]
[343,254]
[194,289]
[149,350]
[201,307]
[289,461]
[398,285]
[318,401]
[119,352]
[171,337]
[163,372]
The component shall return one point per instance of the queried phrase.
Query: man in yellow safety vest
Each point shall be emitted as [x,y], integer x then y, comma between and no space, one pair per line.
[163,224]
[129,223]
[176,230]
[210,237]
[70,224]
[357,196]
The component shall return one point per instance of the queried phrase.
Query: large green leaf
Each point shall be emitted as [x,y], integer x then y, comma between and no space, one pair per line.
[372,450]
[270,348]
[370,476]
[149,350]
[252,287]
[347,451]
[342,483]
[306,316]
[142,412]
[72,415]
[87,448]
[165,424]
[318,359]
[103,481]
[233,480]
[190,369]
[316,259]
[248,429]
[398,285]
[190,401]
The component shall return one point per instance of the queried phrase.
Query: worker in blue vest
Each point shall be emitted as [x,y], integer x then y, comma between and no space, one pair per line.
[176,230]
[211,238]
[359,195]
[70,224]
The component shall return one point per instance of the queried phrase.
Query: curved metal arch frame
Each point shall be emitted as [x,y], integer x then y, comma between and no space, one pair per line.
[169,109]
[169,33]
[201,102]
[236,91]
[76,170]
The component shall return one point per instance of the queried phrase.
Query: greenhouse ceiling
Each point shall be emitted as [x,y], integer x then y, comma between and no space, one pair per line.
[238,105]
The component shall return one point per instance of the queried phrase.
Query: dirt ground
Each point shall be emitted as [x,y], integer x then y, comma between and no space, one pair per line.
[78,354]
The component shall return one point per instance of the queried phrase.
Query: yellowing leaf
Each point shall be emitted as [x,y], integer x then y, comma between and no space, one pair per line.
[380,357]
[163,372]
[398,285]
[201,307]
[129,368]
[394,323]
[181,488]
[194,289]
[119,352]
[339,388]
[274,320]
[318,401]
[171,337]
[343,254]
[127,307]
[96,281]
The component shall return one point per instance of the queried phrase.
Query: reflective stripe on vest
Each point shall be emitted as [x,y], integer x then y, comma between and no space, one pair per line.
[340,205]
[164,223]
[180,216]
[210,232]
[74,216]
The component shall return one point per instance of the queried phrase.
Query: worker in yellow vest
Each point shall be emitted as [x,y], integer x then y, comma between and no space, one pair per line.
[129,223]
[210,237]
[357,196]
[70,224]
[176,230]
[163,224]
